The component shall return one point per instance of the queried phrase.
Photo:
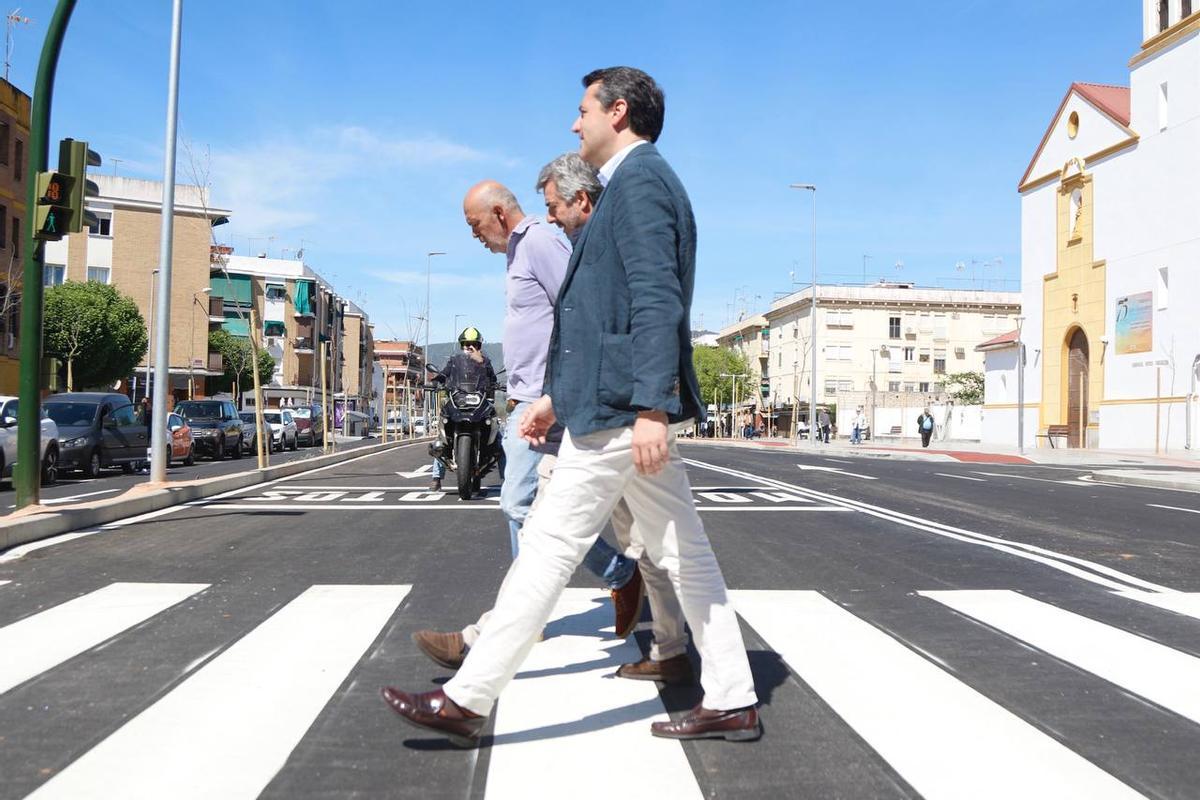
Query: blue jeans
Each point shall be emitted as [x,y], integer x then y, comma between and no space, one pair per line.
[520,475]
[856,435]
[603,561]
[439,471]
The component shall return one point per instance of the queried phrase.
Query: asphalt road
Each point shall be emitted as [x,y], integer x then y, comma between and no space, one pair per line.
[915,630]
[72,487]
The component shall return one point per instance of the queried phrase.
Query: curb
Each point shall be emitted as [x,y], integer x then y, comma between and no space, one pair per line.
[135,502]
[895,454]
[1162,480]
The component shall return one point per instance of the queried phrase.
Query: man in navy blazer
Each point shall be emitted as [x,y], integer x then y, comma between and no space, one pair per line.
[621,381]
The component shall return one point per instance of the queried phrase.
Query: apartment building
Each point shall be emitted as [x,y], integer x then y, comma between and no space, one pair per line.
[14,133]
[123,250]
[402,364]
[303,319]
[888,337]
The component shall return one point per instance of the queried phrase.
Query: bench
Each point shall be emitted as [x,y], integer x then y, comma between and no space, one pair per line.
[1054,432]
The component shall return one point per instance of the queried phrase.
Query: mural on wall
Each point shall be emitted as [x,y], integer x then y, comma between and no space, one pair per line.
[1135,323]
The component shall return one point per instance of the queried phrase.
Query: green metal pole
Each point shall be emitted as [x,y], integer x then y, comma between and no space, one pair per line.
[27,476]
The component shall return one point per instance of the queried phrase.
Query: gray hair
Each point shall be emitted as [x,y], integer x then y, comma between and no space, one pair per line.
[571,175]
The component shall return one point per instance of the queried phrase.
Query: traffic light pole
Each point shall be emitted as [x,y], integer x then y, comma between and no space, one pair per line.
[27,475]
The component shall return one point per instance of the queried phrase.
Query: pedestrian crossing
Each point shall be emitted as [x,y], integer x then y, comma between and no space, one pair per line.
[229,724]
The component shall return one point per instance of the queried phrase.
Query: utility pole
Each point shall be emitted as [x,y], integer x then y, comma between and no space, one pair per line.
[27,478]
[812,405]
[1020,388]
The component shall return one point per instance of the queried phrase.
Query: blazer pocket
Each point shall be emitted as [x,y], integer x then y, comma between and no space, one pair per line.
[615,385]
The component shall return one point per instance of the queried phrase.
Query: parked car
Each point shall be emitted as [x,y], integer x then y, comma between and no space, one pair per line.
[310,424]
[217,430]
[418,426]
[183,445]
[8,442]
[97,430]
[283,429]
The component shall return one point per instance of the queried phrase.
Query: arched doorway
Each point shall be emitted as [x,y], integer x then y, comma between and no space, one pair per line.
[1077,389]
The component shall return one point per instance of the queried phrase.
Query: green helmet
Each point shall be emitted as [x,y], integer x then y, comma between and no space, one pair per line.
[470,335]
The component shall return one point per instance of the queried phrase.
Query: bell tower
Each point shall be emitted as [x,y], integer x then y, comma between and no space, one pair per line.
[1160,16]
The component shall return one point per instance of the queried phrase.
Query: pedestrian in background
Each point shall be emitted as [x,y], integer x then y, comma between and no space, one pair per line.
[825,424]
[925,426]
[859,423]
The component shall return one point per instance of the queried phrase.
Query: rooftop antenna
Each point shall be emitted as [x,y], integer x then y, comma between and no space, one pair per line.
[115,162]
[13,20]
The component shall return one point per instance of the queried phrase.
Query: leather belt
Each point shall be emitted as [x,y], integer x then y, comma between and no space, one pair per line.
[510,405]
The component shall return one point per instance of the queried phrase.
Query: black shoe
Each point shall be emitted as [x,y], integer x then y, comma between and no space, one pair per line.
[435,485]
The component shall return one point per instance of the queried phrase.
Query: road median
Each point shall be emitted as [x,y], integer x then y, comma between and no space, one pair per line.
[44,521]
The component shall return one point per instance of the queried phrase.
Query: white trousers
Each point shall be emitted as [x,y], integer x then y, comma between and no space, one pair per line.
[592,474]
[668,636]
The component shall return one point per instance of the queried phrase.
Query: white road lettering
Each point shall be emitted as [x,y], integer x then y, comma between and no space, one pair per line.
[421,497]
[366,497]
[725,497]
[781,497]
[320,497]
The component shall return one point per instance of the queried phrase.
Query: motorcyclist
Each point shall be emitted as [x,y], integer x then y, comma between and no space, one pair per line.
[467,368]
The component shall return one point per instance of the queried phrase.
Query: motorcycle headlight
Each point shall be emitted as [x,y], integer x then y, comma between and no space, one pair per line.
[473,399]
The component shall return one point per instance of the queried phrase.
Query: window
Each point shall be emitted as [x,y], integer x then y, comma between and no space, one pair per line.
[924,387]
[939,387]
[960,352]
[99,274]
[54,274]
[923,356]
[831,386]
[122,416]
[939,362]
[893,327]
[893,386]
[839,319]
[1185,9]
[839,352]
[16,237]
[4,143]
[779,359]
[909,352]
[1162,106]
[19,161]
[103,225]
[939,326]
[894,360]
[1164,284]
[910,387]
[276,292]
[926,322]
[1164,15]
[3,216]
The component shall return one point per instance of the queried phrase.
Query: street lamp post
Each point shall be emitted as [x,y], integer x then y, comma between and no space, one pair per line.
[428,320]
[150,332]
[874,350]
[192,341]
[1020,388]
[454,333]
[812,311]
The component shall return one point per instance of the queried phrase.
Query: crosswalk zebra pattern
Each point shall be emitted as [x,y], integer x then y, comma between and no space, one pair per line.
[229,726]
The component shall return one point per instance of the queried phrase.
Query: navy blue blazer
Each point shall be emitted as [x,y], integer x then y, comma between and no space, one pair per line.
[622,324]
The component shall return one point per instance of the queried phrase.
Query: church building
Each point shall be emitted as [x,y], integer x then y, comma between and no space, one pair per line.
[1110,259]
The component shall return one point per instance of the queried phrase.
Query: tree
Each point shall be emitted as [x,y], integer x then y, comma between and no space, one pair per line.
[970,388]
[96,330]
[236,355]
[710,364]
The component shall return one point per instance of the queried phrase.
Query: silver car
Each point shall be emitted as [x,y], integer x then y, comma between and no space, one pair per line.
[283,429]
[8,442]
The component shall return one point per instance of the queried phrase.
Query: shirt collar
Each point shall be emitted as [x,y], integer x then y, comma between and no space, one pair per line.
[610,166]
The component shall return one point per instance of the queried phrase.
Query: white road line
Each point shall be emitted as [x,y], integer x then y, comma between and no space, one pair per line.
[1075,483]
[556,721]
[13,553]
[1083,569]
[462,507]
[1175,508]
[301,475]
[838,460]
[35,644]
[75,497]
[1158,673]
[834,471]
[2,583]
[944,738]
[1186,603]
[960,477]
[229,728]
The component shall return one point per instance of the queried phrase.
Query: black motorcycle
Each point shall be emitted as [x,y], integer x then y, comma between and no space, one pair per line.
[469,437]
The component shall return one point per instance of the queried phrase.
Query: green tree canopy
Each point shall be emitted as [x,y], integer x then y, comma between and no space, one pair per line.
[96,330]
[710,364]
[236,355]
[969,387]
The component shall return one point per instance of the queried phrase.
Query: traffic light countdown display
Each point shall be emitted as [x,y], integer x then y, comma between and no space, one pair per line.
[61,195]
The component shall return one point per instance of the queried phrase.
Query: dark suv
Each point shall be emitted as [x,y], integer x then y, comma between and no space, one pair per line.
[97,430]
[216,427]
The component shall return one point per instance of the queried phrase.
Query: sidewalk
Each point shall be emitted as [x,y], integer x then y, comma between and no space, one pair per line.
[1129,467]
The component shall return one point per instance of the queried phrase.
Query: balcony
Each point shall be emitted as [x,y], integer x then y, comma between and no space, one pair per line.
[216,309]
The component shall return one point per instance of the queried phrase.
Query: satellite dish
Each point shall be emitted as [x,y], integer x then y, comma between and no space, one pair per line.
[300,254]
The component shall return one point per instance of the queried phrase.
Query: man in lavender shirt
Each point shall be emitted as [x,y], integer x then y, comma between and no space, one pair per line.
[537,263]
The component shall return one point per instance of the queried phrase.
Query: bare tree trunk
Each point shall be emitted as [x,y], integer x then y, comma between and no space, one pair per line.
[70,375]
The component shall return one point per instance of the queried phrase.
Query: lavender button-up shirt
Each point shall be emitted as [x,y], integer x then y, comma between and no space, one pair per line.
[537,265]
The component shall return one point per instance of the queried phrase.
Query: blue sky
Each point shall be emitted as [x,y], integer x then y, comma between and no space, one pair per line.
[353,130]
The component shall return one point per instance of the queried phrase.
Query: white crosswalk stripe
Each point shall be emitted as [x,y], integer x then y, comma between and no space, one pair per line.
[35,644]
[944,738]
[2,583]
[1156,672]
[229,728]
[558,725]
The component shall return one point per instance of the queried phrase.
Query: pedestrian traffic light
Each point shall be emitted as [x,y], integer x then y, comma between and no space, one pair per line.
[73,159]
[52,216]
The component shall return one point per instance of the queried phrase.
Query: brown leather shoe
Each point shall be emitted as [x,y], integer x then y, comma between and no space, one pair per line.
[627,604]
[676,671]
[445,649]
[435,712]
[738,725]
